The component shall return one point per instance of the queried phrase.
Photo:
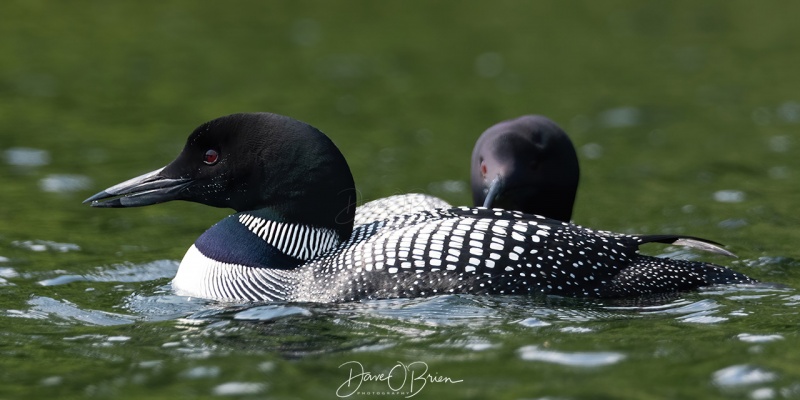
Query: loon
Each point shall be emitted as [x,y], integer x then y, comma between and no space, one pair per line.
[292,238]
[525,164]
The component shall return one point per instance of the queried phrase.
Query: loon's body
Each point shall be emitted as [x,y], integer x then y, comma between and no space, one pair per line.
[399,204]
[292,237]
[523,164]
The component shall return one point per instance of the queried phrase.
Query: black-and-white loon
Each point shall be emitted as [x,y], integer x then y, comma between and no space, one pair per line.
[292,237]
[523,164]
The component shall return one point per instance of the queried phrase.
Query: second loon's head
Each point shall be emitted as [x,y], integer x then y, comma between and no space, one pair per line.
[252,161]
[527,164]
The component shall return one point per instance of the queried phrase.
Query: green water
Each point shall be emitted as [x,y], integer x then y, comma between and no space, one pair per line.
[685,115]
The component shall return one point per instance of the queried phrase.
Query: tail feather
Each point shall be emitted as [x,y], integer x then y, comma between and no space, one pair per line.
[688,241]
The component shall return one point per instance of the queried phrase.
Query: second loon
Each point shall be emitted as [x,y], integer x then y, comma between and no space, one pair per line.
[292,236]
[525,164]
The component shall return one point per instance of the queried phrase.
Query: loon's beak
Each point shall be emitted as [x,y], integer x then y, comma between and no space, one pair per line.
[143,190]
[495,188]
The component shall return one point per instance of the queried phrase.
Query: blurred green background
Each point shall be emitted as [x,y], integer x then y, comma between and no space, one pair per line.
[685,115]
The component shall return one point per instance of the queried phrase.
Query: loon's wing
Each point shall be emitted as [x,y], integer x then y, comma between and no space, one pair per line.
[493,251]
[647,275]
[400,204]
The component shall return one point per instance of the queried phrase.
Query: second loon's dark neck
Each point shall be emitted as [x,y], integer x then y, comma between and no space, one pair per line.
[257,239]
[550,199]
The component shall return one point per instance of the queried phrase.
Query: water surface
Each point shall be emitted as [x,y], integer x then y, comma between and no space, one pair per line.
[685,117]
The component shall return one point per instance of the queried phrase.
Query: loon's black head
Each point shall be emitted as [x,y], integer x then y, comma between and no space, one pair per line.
[253,161]
[526,164]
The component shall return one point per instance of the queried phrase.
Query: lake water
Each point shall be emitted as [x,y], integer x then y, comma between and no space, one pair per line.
[685,116]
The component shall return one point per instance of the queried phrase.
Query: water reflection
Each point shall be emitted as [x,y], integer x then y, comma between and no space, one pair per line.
[63,311]
[736,375]
[126,272]
[7,272]
[26,157]
[621,117]
[201,329]
[238,388]
[45,245]
[574,359]
[489,65]
[789,112]
[64,183]
[270,312]
[305,32]
[748,338]
[729,196]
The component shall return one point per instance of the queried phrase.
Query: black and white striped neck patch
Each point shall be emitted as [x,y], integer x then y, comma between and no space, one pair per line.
[302,242]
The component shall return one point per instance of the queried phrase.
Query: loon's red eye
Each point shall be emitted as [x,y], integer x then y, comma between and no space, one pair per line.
[211,157]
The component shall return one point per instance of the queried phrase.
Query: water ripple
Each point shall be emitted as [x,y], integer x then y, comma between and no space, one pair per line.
[576,329]
[46,307]
[434,311]
[746,337]
[201,372]
[26,157]
[270,312]
[471,343]
[729,196]
[128,272]
[533,323]
[44,245]
[576,359]
[64,183]
[621,117]
[739,375]
[239,388]
[7,272]
[700,312]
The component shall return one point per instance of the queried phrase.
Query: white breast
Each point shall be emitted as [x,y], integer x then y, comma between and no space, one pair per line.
[200,276]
